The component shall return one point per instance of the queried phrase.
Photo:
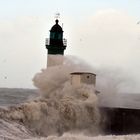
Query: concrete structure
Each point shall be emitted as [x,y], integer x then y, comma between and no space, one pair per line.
[55,46]
[78,78]
[120,113]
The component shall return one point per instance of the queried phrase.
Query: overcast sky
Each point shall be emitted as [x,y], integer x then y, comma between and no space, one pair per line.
[104,33]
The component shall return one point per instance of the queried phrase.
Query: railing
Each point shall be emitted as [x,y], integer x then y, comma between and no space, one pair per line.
[65,42]
[48,41]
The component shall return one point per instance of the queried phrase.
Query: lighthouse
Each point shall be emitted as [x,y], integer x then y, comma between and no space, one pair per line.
[55,45]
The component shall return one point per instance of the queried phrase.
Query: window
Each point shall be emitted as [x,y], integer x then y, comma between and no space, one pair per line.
[52,35]
[59,36]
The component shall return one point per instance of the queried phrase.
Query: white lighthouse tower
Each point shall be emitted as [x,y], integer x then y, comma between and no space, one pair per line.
[55,45]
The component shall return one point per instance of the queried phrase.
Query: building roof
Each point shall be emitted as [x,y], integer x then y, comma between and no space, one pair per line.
[80,73]
[56,27]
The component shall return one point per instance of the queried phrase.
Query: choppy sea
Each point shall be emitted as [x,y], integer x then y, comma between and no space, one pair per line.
[56,110]
[12,128]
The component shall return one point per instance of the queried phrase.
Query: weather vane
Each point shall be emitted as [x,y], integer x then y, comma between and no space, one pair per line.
[57,15]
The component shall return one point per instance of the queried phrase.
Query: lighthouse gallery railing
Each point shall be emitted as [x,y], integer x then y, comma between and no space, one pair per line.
[47,42]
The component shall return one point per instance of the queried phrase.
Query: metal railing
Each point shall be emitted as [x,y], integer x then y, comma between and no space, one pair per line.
[47,42]
[65,42]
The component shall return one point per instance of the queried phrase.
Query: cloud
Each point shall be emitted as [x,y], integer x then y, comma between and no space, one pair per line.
[107,38]
[22,50]
[111,39]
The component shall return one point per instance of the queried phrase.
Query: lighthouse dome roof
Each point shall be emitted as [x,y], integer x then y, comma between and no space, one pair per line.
[56,27]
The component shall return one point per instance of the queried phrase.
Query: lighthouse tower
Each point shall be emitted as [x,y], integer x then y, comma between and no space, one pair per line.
[55,45]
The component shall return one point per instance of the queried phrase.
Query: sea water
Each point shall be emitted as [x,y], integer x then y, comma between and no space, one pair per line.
[56,110]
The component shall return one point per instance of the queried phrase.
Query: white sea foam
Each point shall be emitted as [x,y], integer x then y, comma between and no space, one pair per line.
[83,137]
[62,112]
[61,107]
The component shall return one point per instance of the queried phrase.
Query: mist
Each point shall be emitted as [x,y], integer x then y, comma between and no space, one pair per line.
[104,46]
[61,107]
[108,40]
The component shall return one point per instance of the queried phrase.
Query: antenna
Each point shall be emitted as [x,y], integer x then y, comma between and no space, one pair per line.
[57,15]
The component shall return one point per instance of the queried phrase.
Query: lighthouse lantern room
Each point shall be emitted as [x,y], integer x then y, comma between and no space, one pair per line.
[55,45]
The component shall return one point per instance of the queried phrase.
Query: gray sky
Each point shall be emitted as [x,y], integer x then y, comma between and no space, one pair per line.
[104,33]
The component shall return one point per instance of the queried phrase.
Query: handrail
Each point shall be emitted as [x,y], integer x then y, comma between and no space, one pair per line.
[47,42]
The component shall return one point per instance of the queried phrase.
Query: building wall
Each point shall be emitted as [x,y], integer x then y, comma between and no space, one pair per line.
[120,121]
[79,78]
[88,78]
[53,60]
[75,80]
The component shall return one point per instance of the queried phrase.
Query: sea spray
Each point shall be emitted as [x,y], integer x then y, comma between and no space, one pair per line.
[61,107]
[10,130]
[69,136]
[54,117]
